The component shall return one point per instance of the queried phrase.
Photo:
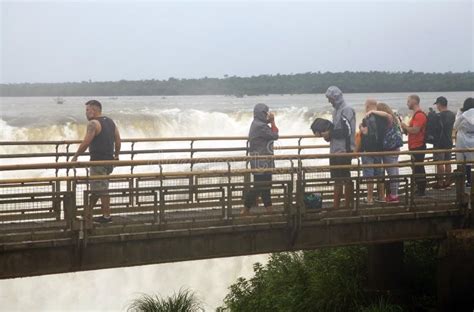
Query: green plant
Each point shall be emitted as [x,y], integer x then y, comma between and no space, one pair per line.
[183,301]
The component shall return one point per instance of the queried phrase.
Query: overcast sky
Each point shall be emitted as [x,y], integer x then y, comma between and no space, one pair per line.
[75,41]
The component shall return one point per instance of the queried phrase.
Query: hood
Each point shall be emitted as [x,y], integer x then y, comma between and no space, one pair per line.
[336,94]
[469,117]
[260,112]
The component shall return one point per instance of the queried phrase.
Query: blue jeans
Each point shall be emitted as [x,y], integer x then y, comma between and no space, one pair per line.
[372,172]
[392,171]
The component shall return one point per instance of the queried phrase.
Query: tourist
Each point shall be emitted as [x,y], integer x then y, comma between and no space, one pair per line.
[341,140]
[372,128]
[464,125]
[103,140]
[443,141]
[261,137]
[416,141]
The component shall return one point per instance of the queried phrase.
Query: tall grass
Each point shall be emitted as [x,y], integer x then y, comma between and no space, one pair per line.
[183,301]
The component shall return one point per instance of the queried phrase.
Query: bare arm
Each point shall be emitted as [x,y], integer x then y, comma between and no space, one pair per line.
[417,125]
[411,130]
[382,114]
[90,134]
[118,143]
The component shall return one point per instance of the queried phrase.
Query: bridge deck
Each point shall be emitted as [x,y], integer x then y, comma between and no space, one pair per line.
[170,216]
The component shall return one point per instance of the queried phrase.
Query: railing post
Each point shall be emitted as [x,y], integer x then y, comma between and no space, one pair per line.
[69,210]
[412,183]
[162,198]
[132,190]
[357,190]
[460,186]
[191,177]
[132,156]
[155,207]
[67,158]
[299,190]
[88,212]
[229,192]
[247,178]
[57,158]
[290,188]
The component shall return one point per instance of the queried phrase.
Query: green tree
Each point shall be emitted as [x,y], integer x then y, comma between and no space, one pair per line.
[321,280]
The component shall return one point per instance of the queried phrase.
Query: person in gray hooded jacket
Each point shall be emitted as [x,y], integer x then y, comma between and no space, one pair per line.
[261,137]
[342,140]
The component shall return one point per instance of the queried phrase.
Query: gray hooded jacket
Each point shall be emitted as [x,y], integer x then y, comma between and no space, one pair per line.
[343,118]
[261,138]
[464,125]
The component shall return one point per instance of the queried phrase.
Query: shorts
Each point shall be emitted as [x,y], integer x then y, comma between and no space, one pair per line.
[468,156]
[442,156]
[340,161]
[372,172]
[100,185]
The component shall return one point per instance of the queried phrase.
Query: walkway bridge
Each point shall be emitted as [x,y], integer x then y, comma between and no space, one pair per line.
[174,203]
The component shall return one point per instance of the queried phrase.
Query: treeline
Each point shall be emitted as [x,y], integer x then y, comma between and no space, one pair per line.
[349,82]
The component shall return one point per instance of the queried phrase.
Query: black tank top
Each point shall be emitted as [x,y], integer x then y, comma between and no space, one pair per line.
[102,146]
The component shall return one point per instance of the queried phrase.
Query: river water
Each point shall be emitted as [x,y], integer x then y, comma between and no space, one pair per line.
[40,118]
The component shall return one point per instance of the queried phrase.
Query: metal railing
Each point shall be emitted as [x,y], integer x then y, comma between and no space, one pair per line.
[181,199]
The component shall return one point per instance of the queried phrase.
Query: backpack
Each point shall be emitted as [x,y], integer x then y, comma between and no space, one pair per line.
[321,125]
[313,200]
[393,138]
[369,141]
[434,127]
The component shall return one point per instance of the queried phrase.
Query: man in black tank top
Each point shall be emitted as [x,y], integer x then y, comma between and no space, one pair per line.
[103,140]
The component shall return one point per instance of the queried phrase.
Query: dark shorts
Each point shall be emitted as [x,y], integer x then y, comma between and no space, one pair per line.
[100,185]
[340,161]
[442,156]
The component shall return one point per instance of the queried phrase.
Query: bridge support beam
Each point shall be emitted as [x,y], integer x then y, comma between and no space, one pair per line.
[456,271]
[385,265]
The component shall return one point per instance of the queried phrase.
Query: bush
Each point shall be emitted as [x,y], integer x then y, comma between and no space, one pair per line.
[322,280]
[184,301]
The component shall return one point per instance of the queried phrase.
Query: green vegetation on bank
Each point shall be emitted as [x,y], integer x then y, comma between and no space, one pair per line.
[323,280]
[334,279]
[349,82]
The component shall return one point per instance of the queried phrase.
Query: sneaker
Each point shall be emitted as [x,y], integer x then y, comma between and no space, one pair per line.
[369,203]
[103,219]
[392,199]
[380,200]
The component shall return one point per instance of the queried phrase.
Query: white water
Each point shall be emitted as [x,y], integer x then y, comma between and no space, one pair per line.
[112,289]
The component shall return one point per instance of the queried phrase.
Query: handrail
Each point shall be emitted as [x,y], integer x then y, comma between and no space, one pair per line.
[122,163]
[280,170]
[165,139]
[164,150]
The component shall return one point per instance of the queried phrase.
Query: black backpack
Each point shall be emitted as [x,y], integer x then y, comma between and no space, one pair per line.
[321,125]
[434,127]
[371,139]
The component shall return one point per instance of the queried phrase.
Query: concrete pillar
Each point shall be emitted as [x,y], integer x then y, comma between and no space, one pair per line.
[385,266]
[455,276]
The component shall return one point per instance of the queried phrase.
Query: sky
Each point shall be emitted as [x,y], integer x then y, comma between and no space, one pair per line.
[66,41]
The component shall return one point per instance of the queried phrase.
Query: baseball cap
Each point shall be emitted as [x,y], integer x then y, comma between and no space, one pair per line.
[441,100]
